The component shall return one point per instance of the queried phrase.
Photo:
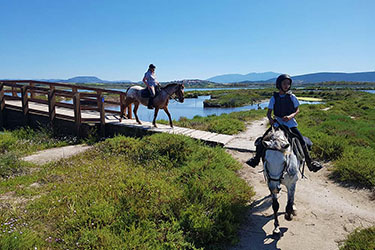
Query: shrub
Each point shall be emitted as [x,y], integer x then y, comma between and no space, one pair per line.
[159,192]
[360,240]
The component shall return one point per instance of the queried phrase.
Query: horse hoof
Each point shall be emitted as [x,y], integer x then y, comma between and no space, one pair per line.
[294,212]
[289,217]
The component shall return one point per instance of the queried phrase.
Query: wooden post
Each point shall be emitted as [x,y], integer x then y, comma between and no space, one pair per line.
[14,92]
[25,104]
[122,106]
[129,108]
[32,94]
[2,106]
[101,110]
[52,105]
[77,113]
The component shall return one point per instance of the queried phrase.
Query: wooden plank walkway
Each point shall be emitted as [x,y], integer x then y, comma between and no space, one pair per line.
[227,141]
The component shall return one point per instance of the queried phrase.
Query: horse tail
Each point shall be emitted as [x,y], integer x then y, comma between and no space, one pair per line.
[127,90]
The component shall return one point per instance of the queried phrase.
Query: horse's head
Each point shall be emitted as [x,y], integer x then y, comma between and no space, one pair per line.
[180,92]
[276,140]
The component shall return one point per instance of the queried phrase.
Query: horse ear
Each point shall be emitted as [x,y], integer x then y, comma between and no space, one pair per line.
[267,144]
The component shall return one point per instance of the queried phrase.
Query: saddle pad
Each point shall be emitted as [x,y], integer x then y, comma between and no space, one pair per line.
[145,93]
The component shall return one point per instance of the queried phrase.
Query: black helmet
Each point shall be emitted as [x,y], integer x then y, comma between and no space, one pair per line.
[282,78]
[151,66]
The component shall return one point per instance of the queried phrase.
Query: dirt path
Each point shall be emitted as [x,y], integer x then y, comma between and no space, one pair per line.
[326,211]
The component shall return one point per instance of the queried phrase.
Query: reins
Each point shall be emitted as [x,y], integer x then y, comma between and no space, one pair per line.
[169,94]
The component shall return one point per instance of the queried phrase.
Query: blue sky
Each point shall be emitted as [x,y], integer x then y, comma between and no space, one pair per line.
[117,40]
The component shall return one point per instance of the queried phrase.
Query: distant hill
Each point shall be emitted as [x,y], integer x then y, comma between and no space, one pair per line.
[231,78]
[337,77]
[85,79]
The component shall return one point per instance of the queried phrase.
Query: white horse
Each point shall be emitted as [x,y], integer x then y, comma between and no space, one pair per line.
[280,167]
[160,101]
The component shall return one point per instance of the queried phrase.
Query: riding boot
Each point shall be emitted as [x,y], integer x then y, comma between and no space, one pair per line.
[254,161]
[150,100]
[313,166]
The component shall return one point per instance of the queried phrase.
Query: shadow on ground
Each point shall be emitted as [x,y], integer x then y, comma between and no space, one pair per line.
[253,235]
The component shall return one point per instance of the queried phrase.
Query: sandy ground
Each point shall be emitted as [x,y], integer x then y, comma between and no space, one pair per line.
[326,211]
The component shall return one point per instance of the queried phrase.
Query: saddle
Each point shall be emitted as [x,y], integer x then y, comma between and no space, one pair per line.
[293,142]
[145,93]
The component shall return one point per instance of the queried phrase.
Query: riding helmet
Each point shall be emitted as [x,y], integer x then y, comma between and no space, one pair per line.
[151,66]
[282,78]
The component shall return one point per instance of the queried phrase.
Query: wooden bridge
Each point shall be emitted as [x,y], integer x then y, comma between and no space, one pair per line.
[57,101]
[77,107]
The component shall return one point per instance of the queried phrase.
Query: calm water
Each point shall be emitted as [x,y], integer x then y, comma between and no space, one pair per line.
[193,107]
[369,91]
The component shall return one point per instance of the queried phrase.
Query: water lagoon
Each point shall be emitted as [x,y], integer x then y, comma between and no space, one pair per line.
[194,106]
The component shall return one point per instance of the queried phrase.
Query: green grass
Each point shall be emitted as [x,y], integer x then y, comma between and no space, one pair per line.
[231,98]
[360,240]
[344,134]
[23,141]
[159,192]
[230,124]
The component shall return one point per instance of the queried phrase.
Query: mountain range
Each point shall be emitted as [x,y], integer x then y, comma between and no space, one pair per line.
[265,77]
[306,78]
[230,78]
[85,79]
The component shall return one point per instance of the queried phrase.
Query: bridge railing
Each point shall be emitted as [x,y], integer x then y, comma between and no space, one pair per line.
[56,95]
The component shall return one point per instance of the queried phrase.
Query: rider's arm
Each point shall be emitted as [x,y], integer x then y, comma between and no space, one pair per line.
[291,116]
[269,116]
[145,81]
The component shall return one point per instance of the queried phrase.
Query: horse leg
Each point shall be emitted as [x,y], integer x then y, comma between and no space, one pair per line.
[290,209]
[275,207]
[155,115]
[127,106]
[136,105]
[169,116]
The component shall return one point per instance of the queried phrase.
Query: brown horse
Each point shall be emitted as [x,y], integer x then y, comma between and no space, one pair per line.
[161,100]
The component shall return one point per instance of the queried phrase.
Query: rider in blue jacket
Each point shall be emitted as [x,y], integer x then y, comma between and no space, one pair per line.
[285,107]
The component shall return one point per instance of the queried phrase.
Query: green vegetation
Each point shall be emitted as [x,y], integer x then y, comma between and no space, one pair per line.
[360,240]
[232,98]
[159,192]
[230,124]
[343,134]
[24,141]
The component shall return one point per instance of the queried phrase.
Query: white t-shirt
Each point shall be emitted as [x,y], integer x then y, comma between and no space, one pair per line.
[150,78]
[292,122]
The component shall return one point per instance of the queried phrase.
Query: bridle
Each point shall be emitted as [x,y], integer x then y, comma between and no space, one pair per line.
[269,178]
[170,94]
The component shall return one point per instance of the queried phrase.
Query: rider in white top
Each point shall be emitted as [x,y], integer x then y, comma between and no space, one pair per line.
[150,80]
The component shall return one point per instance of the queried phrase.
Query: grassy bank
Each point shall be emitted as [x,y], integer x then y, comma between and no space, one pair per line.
[230,124]
[343,134]
[231,98]
[360,240]
[20,142]
[159,192]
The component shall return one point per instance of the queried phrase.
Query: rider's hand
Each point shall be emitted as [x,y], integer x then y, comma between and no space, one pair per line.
[287,118]
[272,121]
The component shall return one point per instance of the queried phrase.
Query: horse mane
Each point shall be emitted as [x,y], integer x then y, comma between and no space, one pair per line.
[276,140]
